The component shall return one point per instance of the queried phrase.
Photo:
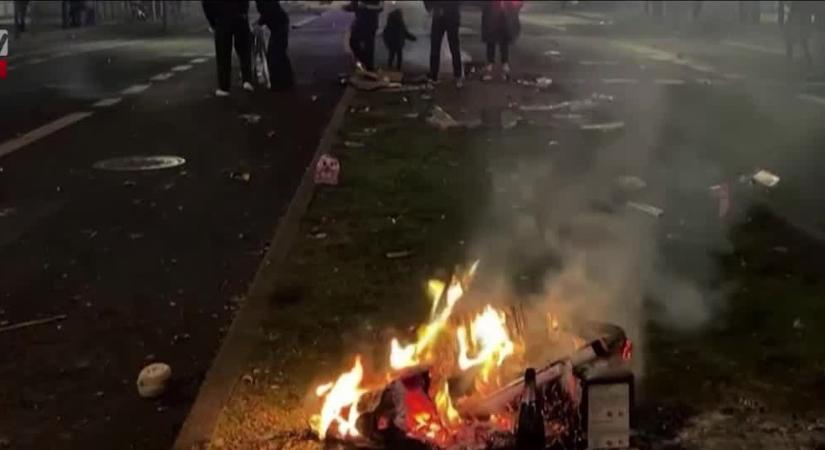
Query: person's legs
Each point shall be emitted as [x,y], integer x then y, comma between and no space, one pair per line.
[455,50]
[280,68]
[223,56]
[243,47]
[399,58]
[491,53]
[369,49]
[355,43]
[436,37]
[504,48]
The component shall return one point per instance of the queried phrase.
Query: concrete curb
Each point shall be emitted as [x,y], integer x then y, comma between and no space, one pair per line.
[228,365]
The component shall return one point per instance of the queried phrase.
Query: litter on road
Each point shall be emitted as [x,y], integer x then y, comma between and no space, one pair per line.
[353,144]
[153,379]
[647,209]
[441,119]
[240,176]
[31,323]
[765,178]
[327,170]
[137,163]
[398,254]
[251,119]
[631,183]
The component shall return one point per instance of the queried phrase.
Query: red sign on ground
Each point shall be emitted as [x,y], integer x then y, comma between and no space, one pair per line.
[2,69]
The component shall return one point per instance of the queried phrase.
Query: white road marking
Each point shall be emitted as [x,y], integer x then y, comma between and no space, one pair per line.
[162,76]
[106,102]
[599,63]
[189,55]
[136,89]
[181,68]
[619,81]
[304,21]
[669,81]
[197,61]
[38,60]
[752,47]
[63,54]
[812,99]
[41,132]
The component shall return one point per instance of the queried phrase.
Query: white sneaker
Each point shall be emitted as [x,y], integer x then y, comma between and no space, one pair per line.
[488,73]
[459,83]
[221,93]
[505,71]
[247,86]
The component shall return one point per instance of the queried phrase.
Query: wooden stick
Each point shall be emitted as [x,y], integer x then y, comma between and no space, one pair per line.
[31,323]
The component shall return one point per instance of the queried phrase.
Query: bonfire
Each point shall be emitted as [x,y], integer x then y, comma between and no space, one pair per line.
[460,383]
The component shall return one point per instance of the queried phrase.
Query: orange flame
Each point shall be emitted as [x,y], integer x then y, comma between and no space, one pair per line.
[449,415]
[488,336]
[340,395]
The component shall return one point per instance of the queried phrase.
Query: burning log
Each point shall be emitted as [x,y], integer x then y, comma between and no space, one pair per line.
[609,344]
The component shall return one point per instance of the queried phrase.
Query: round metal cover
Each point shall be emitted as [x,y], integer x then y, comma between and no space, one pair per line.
[134,163]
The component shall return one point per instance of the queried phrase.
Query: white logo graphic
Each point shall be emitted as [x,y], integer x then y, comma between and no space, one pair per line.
[4,43]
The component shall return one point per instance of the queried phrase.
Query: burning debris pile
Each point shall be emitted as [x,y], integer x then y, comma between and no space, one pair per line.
[488,378]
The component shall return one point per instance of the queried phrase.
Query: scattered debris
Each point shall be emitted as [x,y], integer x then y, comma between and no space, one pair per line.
[607,126]
[129,183]
[240,176]
[426,97]
[247,378]
[543,82]
[509,120]
[398,254]
[765,178]
[353,144]
[31,323]
[367,81]
[270,134]
[798,325]
[327,170]
[647,209]
[722,193]
[135,236]
[553,53]
[412,115]
[7,212]
[313,98]
[552,143]
[441,119]
[251,119]
[631,183]
[152,379]
[320,235]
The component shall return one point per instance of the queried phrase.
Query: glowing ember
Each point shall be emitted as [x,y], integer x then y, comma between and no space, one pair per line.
[339,396]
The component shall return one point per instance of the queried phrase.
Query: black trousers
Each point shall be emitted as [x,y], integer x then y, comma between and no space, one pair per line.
[504,49]
[362,43]
[226,34]
[396,57]
[441,26]
[277,58]
[20,16]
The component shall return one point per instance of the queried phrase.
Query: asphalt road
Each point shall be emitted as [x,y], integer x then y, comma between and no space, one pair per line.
[148,265]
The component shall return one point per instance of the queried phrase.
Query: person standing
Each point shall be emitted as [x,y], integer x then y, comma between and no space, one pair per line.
[277,58]
[395,36]
[446,20]
[499,28]
[20,7]
[229,21]
[362,33]
[798,30]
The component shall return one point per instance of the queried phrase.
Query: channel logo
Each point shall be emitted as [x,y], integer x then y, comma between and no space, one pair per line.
[4,52]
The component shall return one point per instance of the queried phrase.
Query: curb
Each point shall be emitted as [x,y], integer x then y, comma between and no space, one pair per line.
[227,366]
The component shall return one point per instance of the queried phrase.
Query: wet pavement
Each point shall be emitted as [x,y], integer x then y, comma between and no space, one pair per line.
[145,265]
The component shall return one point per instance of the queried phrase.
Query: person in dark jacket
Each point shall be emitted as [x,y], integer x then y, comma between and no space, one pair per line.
[395,36]
[229,20]
[20,7]
[362,33]
[499,28]
[446,19]
[277,20]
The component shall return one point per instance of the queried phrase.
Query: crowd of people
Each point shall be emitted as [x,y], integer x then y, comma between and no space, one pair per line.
[229,21]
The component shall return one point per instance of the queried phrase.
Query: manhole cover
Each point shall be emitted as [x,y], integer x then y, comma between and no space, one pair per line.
[130,163]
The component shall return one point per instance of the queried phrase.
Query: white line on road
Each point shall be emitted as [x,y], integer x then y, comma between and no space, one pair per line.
[619,81]
[181,68]
[599,63]
[38,60]
[106,102]
[41,132]
[136,89]
[812,99]
[669,81]
[752,47]
[162,76]
[197,61]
